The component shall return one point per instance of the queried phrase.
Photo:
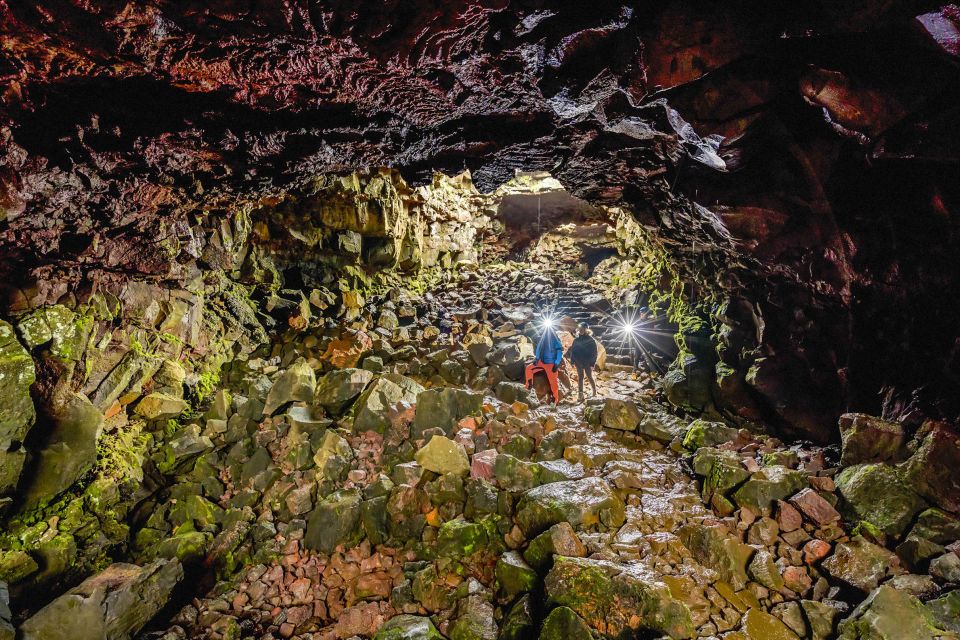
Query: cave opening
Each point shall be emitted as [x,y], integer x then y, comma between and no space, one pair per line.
[479,321]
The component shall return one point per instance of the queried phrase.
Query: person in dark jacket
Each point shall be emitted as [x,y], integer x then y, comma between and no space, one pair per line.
[583,355]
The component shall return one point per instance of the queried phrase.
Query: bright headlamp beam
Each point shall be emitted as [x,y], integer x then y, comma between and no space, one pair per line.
[628,327]
[548,322]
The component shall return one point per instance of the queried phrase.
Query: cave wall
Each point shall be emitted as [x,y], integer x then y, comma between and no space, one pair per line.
[819,141]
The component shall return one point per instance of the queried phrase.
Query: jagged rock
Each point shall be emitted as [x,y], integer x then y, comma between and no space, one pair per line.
[408,627]
[888,614]
[767,486]
[372,409]
[160,406]
[946,567]
[861,564]
[703,433]
[721,471]
[877,493]
[15,565]
[946,611]
[620,414]
[180,449]
[444,408]
[582,503]
[514,474]
[333,458]
[442,455]
[346,352]
[563,623]
[514,576]
[478,347]
[71,450]
[758,625]
[821,617]
[931,470]
[714,547]
[520,622]
[17,413]
[295,384]
[459,538]
[337,389]
[334,521]
[816,508]
[7,632]
[763,569]
[868,439]
[511,392]
[112,605]
[473,620]
[937,526]
[616,599]
[560,540]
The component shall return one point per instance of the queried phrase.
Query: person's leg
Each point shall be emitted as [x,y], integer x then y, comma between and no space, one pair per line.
[579,383]
[593,385]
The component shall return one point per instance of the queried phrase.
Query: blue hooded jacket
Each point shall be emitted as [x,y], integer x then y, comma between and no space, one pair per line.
[549,350]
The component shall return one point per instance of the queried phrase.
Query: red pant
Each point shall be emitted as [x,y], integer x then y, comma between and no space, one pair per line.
[547,369]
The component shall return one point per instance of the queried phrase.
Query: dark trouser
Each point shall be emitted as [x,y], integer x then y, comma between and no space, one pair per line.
[585,371]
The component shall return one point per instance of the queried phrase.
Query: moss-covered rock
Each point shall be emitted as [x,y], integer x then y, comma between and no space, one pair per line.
[442,455]
[296,383]
[583,503]
[868,439]
[889,614]
[705,433]
[514,576]
[408,627]
[714,547]
[767,486]
[335,521]
[623,415]
[615,599]
[563,623]
[444,408]
[17,413]
[877,493]
[372,409]
[460,538]
[336,390]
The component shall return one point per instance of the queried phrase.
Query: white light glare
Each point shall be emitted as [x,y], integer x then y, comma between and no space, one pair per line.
[628,327]
[548,322]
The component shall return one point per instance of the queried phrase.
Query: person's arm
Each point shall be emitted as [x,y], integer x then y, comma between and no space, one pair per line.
[558,354]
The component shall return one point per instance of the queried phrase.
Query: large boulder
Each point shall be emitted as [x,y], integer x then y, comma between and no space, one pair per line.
[876,493]
[768,485]
[112,605]
[335,521]
[160,406]
[868,439]
[336,390]
[295,384]
[889,614]
[861,564]
[444,408]
[714,547]
[408,627]
[71,450]
[617,600]
[443,455]
[623,415]
[583,503]
[372,409]
[17,413]
[563,623]
[932,470]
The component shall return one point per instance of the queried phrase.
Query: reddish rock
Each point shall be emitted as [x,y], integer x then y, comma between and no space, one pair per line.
[815,550]
[788,517]
[812,505]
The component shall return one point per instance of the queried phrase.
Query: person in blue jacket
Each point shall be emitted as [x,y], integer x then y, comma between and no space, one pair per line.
[547,358]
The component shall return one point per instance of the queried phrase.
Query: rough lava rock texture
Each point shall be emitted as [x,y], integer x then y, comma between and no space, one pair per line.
[822,137]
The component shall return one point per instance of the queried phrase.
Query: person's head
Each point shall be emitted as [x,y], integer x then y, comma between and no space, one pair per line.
[583,329]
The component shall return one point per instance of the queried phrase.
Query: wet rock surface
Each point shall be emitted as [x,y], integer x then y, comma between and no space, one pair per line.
[336,502]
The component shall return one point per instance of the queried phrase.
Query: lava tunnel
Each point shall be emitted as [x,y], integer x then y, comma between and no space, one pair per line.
[486,320]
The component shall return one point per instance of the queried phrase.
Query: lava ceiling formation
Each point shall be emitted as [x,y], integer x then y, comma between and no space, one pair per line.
[821,140]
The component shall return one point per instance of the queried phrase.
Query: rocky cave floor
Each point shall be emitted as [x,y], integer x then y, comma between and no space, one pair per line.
[391,477]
